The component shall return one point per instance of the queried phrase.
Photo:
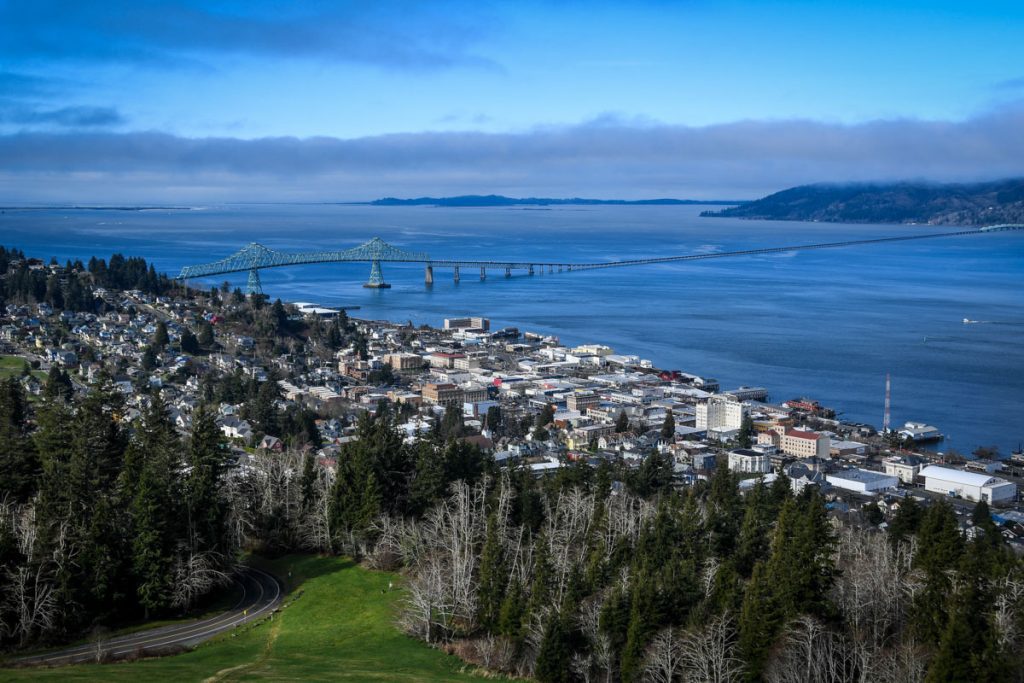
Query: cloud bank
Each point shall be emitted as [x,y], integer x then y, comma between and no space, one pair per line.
[600,159]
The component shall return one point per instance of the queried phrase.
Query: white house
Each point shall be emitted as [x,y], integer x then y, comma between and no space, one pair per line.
[970,485]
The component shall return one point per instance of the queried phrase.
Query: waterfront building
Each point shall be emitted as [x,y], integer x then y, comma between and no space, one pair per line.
[720,413]
[969,485]
[904,467]
[799,443]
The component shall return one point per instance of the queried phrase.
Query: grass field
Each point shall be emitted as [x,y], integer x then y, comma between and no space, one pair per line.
[340,627]
[14,365]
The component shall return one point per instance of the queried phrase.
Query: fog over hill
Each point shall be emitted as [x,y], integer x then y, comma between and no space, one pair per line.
[955,204]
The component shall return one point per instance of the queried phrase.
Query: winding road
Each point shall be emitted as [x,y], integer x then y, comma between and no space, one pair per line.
[261,595]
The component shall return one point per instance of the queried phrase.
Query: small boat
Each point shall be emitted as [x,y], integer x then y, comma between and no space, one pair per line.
[968,321]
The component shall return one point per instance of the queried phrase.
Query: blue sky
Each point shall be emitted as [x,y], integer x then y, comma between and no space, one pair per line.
[334,100]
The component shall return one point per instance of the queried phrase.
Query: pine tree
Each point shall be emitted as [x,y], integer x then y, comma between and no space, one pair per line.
[555,653]
[622,423]
[160,337]
[156,528]
[940,547]
[668,427]
[189,343]
[759,623]
[207,459]
[19,462]
[493,577]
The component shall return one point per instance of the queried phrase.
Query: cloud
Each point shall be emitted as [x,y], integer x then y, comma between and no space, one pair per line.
[397,33]
[66,117]
[602,159]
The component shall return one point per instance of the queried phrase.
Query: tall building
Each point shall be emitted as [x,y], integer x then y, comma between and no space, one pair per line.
[722,412]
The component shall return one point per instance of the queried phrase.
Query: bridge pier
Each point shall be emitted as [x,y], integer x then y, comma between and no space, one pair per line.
[508,272]
[531,269]
[559,268]
[254,286]
[376,280]
[456,273]
[428,277]
[483,273]
[551,269]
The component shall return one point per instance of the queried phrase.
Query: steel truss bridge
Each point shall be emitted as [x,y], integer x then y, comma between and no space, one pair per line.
[255,257]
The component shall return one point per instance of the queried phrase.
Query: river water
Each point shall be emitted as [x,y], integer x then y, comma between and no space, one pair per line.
[825,324]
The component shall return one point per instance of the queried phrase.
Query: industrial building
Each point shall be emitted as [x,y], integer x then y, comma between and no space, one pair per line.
[862,481]
[968,485]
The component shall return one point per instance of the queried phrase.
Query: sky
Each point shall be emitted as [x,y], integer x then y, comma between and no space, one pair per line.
[191,101]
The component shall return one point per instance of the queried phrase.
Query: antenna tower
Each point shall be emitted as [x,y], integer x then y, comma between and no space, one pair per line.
[885,417]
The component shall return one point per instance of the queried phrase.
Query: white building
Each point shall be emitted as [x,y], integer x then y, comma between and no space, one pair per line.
[970,485]
[862,481]
[722,412]
[747,461]
[905,467]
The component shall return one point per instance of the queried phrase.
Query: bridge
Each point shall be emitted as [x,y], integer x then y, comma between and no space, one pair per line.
[255,257]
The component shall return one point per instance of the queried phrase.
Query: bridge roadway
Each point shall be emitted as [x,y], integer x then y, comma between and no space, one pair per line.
[255,257]
[720,254]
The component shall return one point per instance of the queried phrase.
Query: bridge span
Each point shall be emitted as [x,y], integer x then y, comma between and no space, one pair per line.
[255,257]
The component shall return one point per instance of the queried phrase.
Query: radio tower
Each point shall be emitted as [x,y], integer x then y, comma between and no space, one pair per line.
[885,417]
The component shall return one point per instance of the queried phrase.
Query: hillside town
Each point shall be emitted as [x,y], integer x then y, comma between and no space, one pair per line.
[523,398]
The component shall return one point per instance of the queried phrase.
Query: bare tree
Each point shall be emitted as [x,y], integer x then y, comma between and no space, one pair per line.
[663,662]
[810,653]
[709,653]
[195,574]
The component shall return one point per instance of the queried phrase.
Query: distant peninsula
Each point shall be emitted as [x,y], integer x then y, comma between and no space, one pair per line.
[986,203]
[499,200]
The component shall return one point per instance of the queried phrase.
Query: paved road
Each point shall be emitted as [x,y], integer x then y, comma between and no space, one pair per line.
[261,595]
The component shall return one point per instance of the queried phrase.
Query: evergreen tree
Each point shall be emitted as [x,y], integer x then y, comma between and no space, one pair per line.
[160,337]
[493,577]
[19,462]
[156,527]
[939,549]
[189,343]
[205,338]
[668,427]
[745,437]
[207,459]
[622,423]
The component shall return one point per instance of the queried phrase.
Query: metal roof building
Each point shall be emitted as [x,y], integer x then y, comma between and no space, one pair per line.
[970,485]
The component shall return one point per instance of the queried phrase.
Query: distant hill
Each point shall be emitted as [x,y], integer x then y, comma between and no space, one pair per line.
[970,204]
[498,200]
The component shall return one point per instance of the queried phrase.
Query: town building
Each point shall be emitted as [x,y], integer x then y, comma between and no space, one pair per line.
[746,461]
[862,481]
[969,485]
[904,467]
[797,442]
[722,412]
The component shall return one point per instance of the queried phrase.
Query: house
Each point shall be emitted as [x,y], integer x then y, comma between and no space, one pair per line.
[270,444]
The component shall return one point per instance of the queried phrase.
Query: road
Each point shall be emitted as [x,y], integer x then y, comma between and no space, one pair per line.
[261,595]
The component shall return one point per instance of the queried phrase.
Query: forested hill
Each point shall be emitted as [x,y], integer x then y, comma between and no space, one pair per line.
[974,204]
[499,200]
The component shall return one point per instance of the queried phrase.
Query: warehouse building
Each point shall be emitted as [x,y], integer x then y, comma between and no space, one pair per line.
[969,485]
[862,481]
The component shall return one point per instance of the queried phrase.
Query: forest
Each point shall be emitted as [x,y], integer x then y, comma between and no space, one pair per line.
[592,574]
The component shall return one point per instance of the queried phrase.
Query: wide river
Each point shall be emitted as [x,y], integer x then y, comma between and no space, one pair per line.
[824,324]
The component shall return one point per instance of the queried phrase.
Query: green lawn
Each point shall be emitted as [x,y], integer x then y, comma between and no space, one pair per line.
[14,365]
[340,627]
